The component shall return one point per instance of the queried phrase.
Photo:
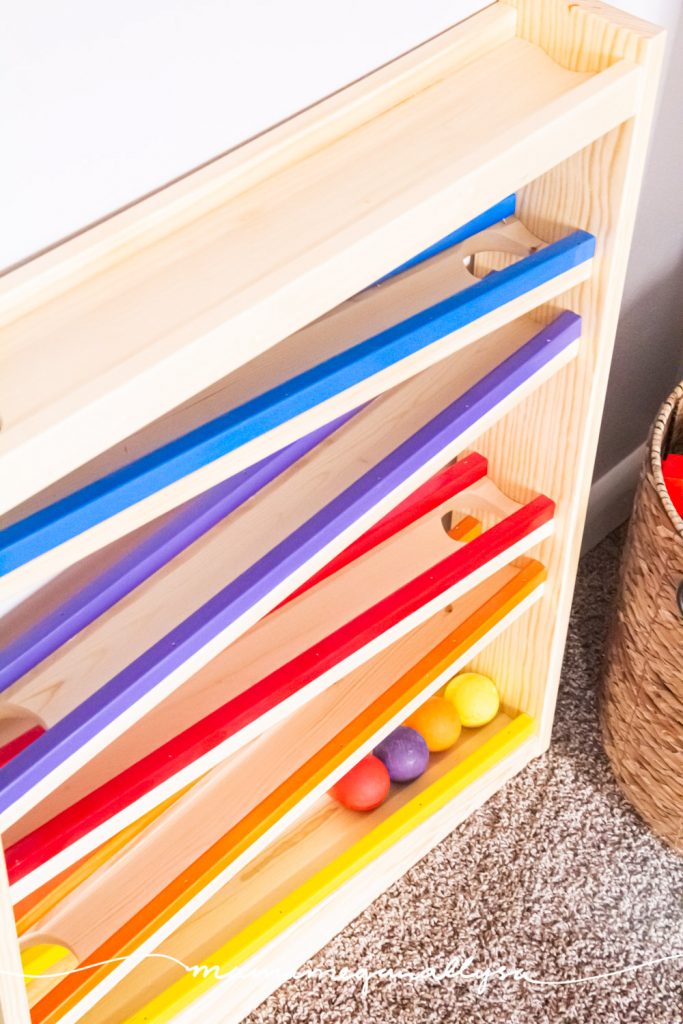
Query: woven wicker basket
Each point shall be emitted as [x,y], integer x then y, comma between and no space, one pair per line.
[642,700]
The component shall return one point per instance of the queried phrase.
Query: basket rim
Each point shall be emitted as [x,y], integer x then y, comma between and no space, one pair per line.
[660,425]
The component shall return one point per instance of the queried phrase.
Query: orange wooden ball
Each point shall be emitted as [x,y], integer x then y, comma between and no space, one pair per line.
[364,787]
[437,721]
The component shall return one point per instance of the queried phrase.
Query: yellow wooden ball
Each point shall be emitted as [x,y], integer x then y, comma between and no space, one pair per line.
[474,697]
[437,722]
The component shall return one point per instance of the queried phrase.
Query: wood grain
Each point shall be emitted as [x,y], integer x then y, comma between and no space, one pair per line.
[38,627]
[49,532]
[375,563]
[596,188]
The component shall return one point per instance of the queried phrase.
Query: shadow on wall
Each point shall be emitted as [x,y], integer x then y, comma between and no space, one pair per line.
[648,361]
[648,356]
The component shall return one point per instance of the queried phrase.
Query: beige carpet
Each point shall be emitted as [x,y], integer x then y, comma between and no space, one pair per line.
[555,876]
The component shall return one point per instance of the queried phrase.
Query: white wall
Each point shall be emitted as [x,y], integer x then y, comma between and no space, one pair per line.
[105,101]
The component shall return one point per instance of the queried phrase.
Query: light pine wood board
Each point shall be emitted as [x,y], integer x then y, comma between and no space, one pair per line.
[37,904]
[164,769]
[182,312]
[14,1007]
[220,800]
[177,903]
[597,189]
[55,755]
[388,333]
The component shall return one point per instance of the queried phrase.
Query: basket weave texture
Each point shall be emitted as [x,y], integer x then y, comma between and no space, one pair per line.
[642,699]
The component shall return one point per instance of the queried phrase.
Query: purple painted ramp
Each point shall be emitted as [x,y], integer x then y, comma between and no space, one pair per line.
[182,528]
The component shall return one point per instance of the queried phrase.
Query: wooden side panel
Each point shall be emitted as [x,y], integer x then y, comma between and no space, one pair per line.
[13,1002]
[597,188]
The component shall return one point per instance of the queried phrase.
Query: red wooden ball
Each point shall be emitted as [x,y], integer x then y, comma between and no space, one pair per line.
[364,787]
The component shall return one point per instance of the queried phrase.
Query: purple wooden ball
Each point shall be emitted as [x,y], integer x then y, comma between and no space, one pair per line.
[404,753]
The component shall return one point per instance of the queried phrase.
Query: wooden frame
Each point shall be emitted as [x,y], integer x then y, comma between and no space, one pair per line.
[551,100]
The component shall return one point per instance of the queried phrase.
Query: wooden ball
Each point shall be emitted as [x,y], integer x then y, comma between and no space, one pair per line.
[405,754]
[437,722]
[364,787]
[474,697]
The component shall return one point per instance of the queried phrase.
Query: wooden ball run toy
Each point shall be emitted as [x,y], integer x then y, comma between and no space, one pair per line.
[191,732]
[438,722]
[474,697]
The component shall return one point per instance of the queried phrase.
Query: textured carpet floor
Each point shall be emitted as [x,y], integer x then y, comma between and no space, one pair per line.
[555,876]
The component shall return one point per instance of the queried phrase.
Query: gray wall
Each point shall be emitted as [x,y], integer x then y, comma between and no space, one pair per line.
[648,357]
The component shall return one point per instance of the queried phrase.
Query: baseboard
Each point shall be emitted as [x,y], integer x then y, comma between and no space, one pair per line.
[611,498]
